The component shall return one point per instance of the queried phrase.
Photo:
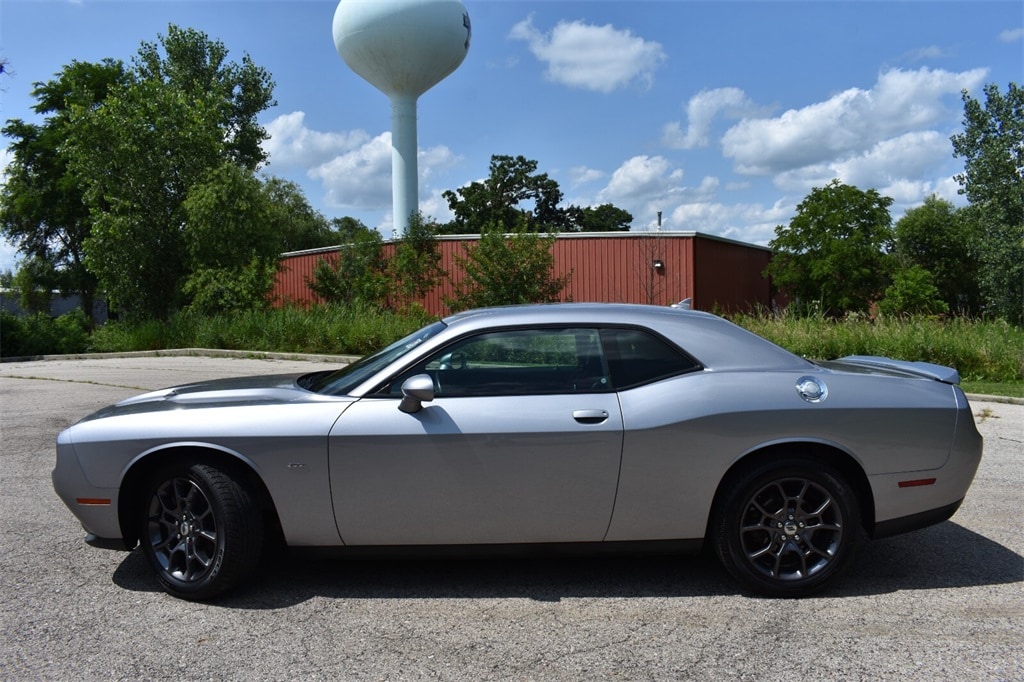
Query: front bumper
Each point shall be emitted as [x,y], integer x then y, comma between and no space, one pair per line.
[95,508]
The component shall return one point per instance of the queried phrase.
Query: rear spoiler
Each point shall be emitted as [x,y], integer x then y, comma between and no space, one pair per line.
[946,375]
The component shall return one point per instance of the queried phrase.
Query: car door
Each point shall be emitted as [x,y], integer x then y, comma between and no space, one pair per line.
[521,443]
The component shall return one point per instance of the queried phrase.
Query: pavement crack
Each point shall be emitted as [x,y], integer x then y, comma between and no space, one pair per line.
[75,381]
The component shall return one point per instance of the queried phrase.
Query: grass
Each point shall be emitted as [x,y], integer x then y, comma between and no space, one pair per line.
[982,351]
[1008,389]
[333,330]
[988,354]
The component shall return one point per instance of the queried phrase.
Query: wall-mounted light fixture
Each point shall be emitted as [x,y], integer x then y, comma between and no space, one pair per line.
[658,265]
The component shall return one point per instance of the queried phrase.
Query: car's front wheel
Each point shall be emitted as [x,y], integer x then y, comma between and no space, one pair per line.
[201,530]
[786,528]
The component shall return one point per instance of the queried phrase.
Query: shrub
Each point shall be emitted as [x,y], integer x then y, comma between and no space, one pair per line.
[330,329]
[39,334]
[505,269]
[913,292]
[979,350]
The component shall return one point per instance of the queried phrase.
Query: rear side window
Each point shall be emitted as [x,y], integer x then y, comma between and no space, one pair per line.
[636,357]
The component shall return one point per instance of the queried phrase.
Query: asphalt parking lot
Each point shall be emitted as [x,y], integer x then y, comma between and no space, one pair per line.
[944,603]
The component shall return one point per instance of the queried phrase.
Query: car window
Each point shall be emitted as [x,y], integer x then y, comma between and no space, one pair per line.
[516,362]
[344,380]
[637,357]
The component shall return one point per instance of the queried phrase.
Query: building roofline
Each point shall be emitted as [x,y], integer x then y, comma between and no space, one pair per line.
[560,235]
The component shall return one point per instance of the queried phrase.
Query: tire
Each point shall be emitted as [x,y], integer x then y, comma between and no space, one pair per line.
[201,530]
[787,528]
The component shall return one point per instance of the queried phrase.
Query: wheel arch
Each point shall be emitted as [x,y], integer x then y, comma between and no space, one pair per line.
[815,452]
[132,483]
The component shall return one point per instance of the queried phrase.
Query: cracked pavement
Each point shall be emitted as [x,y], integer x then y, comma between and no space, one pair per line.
[942,603]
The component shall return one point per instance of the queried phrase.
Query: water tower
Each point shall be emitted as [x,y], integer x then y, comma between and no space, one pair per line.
[403,48]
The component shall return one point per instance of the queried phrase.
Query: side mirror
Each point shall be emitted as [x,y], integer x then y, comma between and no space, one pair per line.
[416,390]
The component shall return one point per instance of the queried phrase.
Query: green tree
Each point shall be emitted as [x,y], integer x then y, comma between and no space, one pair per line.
[942,240]
[40,334]
[506,269]
[347,229]
[299,225]
[415,268]
[913,292]
[513,194]
[992,145]
[358,274]
[181,114]
[43,211]
[603,218]
[35,280]
[192,66]
[833,253]
[232,245]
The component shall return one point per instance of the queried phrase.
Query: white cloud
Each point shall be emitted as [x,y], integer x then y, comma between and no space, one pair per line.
[581,175]
[748,222]
[801,180]
[359,179]
[701,112]
[598,58]
[949,189]
[908,156]
[908,193]
[912,155]
[640,179]
[644,185]
[291,143]
[905,192]
[9,256]
[8,253]
[929,53]
[354,168]
[430,161]
[434,206]
[847,124]
[1012,35]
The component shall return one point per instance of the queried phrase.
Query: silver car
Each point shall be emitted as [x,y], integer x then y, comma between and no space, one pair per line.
[583,425]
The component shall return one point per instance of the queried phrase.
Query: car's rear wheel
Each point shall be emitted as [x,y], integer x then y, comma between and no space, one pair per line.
[787,528]
[201,530]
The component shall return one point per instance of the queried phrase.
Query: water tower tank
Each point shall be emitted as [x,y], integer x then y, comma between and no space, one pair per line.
[403,48]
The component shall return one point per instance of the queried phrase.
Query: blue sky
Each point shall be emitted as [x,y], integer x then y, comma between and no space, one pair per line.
[721,115]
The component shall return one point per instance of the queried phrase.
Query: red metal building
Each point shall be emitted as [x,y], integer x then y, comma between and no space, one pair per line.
[631,267]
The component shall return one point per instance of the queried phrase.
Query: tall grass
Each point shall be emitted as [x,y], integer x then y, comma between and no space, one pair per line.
[982,351]
[979,350]
[323,329]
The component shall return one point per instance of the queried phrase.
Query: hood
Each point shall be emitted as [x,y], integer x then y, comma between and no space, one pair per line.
[270,389]
[880,365]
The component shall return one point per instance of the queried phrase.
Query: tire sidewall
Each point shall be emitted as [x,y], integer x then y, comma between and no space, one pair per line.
[231,554]
[729,547]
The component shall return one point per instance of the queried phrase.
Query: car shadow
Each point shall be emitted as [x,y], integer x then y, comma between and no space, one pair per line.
[943,556]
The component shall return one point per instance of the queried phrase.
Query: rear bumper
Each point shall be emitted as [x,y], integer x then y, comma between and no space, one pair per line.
[900,508]
[905,524]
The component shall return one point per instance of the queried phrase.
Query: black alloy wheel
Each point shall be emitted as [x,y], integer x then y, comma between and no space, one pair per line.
[202,532]
[788,528]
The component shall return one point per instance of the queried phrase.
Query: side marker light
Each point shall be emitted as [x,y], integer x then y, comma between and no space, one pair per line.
[916,483]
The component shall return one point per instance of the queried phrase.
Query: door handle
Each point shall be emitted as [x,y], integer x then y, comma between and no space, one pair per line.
[590,416]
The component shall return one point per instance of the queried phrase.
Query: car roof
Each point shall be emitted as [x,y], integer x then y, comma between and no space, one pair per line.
[717,343]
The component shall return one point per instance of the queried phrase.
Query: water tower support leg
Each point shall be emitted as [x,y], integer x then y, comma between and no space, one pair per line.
[404,173]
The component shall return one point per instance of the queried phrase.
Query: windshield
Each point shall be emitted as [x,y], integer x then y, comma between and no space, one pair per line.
[344,380]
